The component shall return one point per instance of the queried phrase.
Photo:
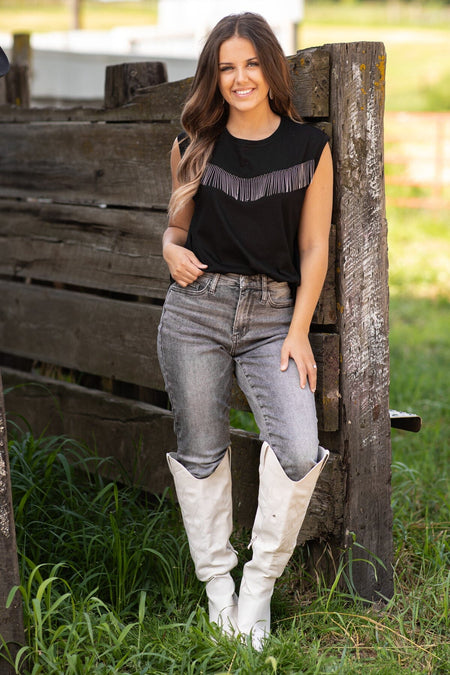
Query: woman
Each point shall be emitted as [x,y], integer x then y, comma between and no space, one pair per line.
[249,219]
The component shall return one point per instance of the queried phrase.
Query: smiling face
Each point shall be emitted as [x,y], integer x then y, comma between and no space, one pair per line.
[241,79]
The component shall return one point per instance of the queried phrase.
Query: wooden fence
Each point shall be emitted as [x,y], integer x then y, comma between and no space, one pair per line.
[83,194]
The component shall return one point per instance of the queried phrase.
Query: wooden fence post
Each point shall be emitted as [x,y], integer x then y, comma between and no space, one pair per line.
[126,81]
[16,87]
[11,621]
[357,109]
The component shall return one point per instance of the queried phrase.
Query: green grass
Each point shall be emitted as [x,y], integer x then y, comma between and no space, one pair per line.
[419,250]
[108,586]
[415,36]
[395,14]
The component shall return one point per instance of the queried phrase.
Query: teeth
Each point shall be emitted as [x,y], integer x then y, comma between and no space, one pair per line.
[242,92]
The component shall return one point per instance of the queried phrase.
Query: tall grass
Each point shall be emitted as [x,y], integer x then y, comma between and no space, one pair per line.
[108,586]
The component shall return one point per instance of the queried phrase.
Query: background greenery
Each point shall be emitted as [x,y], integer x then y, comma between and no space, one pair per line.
[107,582]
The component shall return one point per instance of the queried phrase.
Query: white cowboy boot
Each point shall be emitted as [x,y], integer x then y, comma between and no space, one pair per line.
[282,505]
[206,507]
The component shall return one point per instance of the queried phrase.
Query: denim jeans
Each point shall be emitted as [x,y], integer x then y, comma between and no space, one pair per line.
[223,324]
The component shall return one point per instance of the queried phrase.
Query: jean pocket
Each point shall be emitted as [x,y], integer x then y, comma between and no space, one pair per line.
[197,287]
[279,294]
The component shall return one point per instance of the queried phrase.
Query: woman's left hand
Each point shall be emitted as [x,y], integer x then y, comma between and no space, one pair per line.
[299,349]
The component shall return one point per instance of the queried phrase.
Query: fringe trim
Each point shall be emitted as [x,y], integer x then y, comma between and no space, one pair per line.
[252,189]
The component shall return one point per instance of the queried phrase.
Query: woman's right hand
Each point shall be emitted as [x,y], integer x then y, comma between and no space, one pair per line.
[184,266]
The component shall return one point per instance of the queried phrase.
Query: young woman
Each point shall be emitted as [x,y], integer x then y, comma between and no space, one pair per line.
[246,246]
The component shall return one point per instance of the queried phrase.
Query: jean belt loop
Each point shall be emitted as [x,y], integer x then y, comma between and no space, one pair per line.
[214,282]
[264,287]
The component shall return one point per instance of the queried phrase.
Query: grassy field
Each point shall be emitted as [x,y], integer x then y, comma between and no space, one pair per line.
[39,16]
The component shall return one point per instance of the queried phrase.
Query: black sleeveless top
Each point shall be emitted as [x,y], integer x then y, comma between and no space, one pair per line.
[247,207]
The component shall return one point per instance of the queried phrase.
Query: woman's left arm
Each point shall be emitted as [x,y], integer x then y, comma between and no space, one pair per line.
[314,232]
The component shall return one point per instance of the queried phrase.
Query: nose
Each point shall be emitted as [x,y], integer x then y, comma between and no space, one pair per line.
[241,74]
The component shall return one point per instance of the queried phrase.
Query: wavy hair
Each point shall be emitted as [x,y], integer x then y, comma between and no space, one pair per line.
[205,113]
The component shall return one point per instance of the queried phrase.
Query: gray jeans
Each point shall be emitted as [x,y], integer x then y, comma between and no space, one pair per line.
[223,324]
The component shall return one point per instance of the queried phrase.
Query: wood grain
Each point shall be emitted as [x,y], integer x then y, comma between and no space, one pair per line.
[357,104]
[310,70]
[103,248]
[125,81]
[17,86]
[117,164]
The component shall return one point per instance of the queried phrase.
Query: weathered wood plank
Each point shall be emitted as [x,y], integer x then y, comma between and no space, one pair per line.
[3,99]
[11,619]
[126,80]
[114,338]
[126,164]
[326,309]
[138,435]
[17,86]
[325,347]
[110,249]
[164,102]
[21,53]
[357,102]
[310,70]
[116,165]
[101,336]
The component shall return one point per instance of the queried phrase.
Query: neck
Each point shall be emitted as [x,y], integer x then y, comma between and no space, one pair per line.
[254,125]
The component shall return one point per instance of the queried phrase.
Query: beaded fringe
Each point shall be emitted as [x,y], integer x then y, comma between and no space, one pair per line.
[252,189]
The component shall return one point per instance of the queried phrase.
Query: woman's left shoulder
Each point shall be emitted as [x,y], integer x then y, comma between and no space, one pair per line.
[305,140]
[306,131]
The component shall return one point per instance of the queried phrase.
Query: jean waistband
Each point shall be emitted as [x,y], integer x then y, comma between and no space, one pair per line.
[255,281]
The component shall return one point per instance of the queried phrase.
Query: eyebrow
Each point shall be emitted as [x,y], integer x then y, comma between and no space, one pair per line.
[230,63]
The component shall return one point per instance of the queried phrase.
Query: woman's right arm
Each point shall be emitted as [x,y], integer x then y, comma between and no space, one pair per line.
[183,264]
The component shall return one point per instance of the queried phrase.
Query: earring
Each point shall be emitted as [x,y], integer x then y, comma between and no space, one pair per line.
[270,94]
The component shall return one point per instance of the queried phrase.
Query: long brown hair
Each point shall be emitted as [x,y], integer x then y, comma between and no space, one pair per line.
[205,113]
